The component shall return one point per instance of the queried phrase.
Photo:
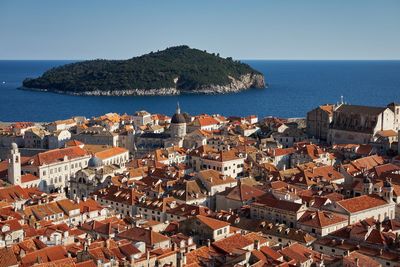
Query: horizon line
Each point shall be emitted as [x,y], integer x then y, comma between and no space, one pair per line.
[243,59]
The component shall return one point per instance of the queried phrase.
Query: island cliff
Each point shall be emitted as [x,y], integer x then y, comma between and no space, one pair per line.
[176,70]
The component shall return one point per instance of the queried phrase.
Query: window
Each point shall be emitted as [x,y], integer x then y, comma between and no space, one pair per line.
[219,232]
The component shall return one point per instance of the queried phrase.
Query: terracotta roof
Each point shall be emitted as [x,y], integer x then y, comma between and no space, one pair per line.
[67,262]
[118,194]
[7,257]
[278,152]
[212,223]
[232,243]
[320,219]
[361,203]
[28,245]
[272,202]
[57,155]
[89,205]
[13,193]
[242,192]
[28,178]
[13,225]
[357,259]
[325,173]
[74,143]
[22,124]
[113,151]
[189,190]
[198,256]
[205,121]
[43,210]
[270,253]
[328,109]
[365,163]
[145,235]
[213,177]
[299,253]
[47,254]
[67,205]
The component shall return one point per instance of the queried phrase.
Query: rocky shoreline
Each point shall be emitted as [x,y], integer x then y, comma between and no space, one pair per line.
[245,82]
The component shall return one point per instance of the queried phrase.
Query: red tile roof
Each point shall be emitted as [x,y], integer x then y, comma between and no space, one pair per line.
[47,254]
[7,257]
[232,243]
[320,219]
[57,155]
[361,203]
[28,178]
[111,152]
[212,223]
[13,193]
[145,235]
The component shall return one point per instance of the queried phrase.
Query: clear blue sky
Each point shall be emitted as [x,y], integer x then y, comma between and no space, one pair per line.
[247,29]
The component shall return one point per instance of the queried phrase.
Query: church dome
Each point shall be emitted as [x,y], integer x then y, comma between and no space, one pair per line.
[178,118]
[94,162]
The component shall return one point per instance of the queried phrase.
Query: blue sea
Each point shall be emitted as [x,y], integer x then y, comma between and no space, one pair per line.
[295,87]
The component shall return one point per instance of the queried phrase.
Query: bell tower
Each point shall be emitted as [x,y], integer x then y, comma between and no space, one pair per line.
[14,165]
[178,124]
[387,191]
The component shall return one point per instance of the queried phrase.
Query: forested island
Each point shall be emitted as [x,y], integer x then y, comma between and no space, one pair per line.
[175,70]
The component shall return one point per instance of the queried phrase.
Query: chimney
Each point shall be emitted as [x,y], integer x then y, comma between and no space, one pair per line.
[95,197]
[257,244]
[357,260]
[208,242]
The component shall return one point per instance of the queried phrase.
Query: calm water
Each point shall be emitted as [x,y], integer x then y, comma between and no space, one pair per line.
[294,88]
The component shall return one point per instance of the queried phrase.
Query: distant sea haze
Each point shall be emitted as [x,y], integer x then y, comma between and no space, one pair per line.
[294,87]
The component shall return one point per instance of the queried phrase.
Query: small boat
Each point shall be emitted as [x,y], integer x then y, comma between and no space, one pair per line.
[4,82]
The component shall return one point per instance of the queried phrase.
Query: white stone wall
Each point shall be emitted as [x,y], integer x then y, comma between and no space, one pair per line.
[230,168]
[324,230]
[56,175]
[378,213]
[119,159]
